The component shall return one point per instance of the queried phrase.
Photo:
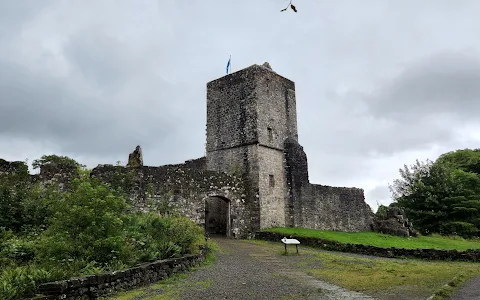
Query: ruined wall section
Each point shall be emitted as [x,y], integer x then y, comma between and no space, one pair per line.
[319,206]
[184,189]
[296,176]
[57,174]
[334,208]
[49,174]
[198,163]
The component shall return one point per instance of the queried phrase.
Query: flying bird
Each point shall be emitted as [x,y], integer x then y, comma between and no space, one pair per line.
[291,6]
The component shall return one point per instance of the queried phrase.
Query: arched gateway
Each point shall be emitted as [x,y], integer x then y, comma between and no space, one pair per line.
[217,216]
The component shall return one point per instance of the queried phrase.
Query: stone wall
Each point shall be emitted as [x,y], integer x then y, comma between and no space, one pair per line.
[333,208]
[60,174]
[318,206]
[296,175]
[428,254]
[102,285]
[184,189]
[198,164]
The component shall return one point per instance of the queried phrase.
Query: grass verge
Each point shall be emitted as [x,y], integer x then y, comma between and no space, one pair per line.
[383,240]
[446,291]
[172,287]
[381,278]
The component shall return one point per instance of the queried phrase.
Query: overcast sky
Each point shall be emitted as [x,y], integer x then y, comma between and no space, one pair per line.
[378,83]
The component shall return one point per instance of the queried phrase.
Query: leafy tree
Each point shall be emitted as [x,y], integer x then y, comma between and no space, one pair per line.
[466,159]
[55,160]
[443,196]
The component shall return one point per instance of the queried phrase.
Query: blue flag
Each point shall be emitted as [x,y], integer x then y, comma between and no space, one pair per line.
[228,64]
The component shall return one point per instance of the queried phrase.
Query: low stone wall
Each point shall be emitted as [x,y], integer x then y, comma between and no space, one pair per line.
[428,254]
[100,285]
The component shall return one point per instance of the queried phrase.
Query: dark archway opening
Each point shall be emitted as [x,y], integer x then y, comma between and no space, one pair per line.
[217,215]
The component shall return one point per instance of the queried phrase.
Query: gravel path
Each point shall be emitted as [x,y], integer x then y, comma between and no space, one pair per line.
[244,270]
[469,291]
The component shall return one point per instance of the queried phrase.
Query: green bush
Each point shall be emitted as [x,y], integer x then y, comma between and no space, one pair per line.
[17,282]
[18,250]
[24,205]
[88,223]
[463,229]
[157,237]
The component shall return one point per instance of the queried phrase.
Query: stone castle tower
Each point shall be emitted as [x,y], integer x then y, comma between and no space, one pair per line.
[250,115]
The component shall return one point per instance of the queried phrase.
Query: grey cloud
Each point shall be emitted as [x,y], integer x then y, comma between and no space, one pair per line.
[14,14]
[445,83]
[378,194]
[39,107]
[421,107]
[102,59]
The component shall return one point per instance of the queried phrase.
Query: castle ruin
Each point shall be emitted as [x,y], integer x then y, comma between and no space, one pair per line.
[255,172]
[252,130]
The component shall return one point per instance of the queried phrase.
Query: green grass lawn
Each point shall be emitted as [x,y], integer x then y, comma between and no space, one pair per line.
[383,240]
[385,278]
[381,278]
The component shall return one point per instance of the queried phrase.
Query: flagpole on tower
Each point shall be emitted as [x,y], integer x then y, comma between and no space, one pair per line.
[229,65]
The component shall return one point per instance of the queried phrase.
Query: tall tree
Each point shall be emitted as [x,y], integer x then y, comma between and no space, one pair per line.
[443,196]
